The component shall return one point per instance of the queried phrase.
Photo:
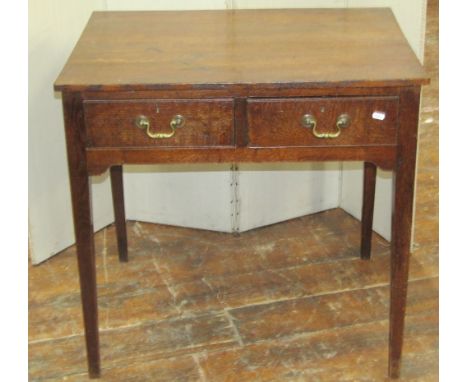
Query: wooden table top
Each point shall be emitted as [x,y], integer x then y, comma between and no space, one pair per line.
[219,49]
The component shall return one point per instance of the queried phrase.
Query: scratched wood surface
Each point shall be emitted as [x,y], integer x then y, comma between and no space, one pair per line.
[300,306]
[251,47]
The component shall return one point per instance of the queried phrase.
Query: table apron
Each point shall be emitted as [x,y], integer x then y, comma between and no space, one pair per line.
[98,160]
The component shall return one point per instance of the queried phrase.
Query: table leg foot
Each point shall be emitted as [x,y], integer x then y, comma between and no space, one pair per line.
[394,369]
[94,373]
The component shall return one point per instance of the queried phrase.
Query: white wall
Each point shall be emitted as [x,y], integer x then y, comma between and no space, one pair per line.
[54,27]
[197,196]
[184,195]
[270,193]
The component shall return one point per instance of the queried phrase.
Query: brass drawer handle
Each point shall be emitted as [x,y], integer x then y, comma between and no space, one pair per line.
[309,121]
[142,122]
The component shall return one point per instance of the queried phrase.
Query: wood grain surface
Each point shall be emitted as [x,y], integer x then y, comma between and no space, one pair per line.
[207,122]
[209,49]
[288,302]
[277,122]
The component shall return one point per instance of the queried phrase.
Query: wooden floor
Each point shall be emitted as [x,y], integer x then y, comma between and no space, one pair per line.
[288,302]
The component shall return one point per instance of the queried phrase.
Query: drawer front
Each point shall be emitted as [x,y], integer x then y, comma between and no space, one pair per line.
[165,123]
[346,121]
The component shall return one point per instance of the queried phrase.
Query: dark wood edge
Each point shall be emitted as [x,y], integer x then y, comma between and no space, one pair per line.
[233,87]
[367,211]
[402,211]
[242,92]
[83,224]
[118,201]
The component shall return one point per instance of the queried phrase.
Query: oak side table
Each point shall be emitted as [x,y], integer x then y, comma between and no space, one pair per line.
[242,86]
